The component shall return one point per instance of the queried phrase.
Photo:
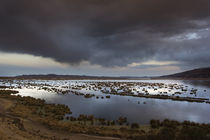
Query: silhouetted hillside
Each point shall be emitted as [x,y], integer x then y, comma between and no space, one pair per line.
[196,73]
[202,73]
[64,77]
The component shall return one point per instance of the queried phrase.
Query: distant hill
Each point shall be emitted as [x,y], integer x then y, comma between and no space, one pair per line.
[71,77]
[201,73]
[63,77]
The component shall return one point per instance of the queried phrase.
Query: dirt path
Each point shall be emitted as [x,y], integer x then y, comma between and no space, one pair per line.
[12,127]
[5,105]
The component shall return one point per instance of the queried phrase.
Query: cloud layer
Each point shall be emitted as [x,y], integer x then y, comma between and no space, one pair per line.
[108,32]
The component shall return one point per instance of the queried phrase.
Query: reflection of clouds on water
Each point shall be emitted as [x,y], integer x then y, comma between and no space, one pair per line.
[198,83]
[136,109]
[37,94]
[194,118]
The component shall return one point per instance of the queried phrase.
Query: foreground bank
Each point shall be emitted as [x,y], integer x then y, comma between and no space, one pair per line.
[30,118]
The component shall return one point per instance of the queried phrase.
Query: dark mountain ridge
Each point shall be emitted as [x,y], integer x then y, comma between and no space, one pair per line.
[201,73]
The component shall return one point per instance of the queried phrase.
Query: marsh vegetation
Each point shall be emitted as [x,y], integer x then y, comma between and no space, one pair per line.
[127,98]
[54,117]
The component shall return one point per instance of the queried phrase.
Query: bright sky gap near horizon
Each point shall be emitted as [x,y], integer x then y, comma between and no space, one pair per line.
[103,37]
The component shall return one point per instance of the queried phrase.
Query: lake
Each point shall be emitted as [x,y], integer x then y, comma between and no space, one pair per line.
[136,109]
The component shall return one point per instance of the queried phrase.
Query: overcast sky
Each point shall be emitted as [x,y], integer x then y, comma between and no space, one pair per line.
[103,37]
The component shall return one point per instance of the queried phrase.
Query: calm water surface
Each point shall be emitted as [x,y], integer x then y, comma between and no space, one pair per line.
[136,109]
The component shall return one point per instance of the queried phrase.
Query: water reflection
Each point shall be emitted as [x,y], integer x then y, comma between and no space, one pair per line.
[136,109]
[197,83]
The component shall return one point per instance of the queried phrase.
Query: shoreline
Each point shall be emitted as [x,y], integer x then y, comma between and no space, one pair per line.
[29,117]
[105,78]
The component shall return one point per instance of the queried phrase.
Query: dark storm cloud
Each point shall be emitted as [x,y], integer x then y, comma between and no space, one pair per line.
[105,32]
